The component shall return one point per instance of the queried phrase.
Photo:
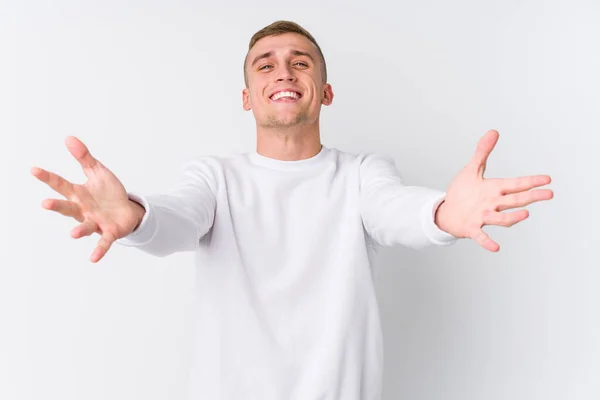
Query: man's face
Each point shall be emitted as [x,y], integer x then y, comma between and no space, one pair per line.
[285,84]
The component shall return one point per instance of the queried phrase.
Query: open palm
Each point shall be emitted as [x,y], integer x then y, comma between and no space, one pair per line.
[473,201]
[101,204]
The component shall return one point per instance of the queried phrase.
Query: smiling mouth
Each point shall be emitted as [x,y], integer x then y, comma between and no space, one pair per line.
[286,97]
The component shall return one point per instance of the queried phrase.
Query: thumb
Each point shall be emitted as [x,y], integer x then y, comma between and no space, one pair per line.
[80,152]
[484,147]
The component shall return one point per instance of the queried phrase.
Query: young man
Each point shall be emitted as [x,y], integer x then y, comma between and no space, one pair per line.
[285,235]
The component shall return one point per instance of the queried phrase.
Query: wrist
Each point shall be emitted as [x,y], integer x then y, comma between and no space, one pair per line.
[439,217]
[138,211]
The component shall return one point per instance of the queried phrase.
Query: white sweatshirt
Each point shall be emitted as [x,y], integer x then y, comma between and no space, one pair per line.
[284,250]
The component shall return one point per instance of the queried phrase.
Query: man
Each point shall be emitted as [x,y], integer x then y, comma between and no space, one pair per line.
[285,235]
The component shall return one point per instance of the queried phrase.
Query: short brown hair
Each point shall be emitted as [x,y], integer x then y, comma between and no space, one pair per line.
[279,28]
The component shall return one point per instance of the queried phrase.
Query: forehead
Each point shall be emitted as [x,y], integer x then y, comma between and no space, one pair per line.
[282,44]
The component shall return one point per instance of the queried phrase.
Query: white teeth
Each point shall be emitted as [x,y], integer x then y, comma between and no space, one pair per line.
[279,95]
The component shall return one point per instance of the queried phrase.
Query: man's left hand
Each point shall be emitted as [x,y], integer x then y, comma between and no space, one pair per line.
[473,201]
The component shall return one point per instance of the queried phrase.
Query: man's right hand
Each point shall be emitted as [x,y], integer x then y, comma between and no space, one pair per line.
[101,205]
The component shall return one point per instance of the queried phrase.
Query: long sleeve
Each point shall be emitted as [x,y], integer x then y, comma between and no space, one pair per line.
[177,220]
[394,213]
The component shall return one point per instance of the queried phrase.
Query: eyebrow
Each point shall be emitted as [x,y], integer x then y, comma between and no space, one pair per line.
[270,54]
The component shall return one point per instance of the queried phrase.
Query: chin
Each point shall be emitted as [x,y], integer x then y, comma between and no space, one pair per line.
[290,120]
[287,122]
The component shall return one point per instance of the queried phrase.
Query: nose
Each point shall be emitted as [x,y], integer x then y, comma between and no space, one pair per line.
[285,74]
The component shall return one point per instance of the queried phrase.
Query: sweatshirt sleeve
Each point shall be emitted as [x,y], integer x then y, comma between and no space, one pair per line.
[176,221]
[397,214]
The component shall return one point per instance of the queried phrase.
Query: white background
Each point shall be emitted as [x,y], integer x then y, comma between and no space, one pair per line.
[147,85]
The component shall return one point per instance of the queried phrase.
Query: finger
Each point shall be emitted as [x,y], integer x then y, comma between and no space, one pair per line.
[86,228]
[523,183]
[484,241]
[484,147]
[56,182]
[106,240]
[64,207]
[80,152]
[505,219]
[523,199]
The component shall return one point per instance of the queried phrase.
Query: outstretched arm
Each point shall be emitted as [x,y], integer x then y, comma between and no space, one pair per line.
[177,220]
[394,213]
[158,224]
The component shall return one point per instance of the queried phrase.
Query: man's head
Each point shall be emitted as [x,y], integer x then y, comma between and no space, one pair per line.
[285,60]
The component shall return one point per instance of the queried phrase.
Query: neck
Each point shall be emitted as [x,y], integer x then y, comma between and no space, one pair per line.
[288,143]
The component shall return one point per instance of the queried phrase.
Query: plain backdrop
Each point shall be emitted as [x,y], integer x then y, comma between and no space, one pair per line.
[147,85]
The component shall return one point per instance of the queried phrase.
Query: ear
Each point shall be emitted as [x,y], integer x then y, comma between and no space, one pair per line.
[327,94]
[246,99]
